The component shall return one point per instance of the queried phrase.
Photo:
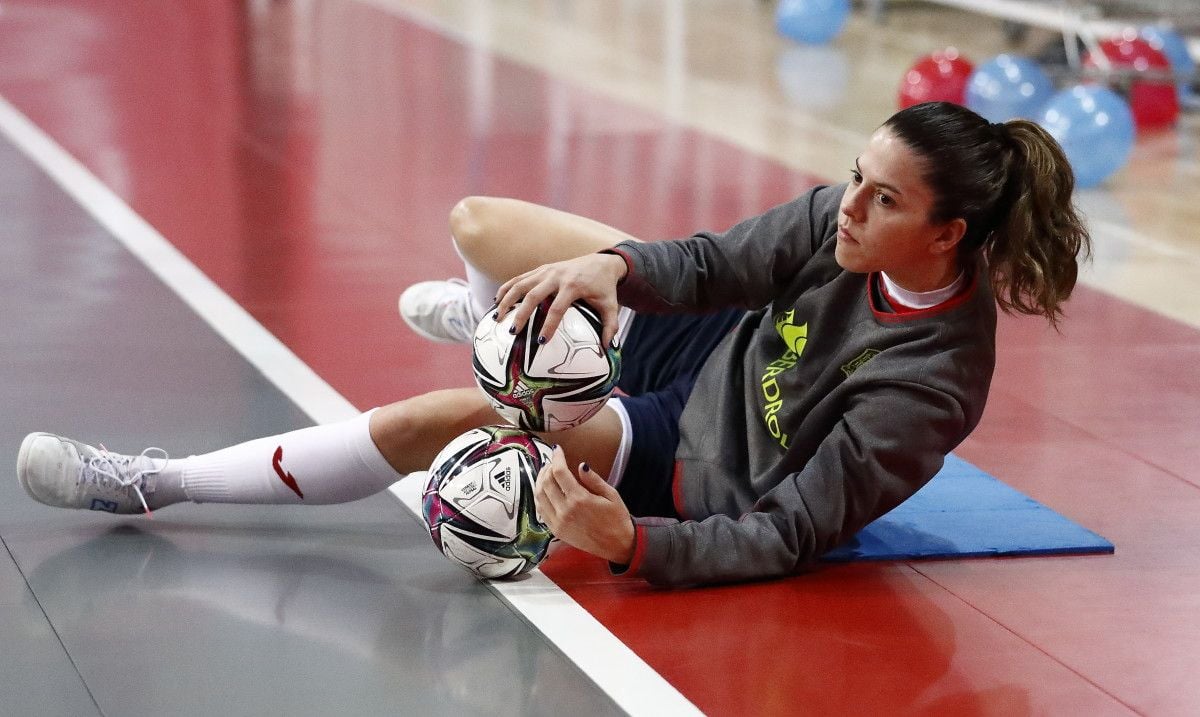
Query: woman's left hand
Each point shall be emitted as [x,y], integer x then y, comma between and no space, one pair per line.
[591,277]
[584,511]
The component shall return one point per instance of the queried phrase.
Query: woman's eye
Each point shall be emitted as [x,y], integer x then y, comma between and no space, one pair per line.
[884,199]
[856,176]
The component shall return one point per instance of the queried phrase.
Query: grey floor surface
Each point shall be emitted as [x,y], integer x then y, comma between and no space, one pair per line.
[210,610]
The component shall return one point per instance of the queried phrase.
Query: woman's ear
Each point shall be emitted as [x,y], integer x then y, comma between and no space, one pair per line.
[948,237]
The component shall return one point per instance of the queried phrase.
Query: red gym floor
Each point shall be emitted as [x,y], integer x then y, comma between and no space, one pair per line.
[304,156]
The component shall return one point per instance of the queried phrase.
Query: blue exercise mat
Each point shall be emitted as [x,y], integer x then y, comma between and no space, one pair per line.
[964,512]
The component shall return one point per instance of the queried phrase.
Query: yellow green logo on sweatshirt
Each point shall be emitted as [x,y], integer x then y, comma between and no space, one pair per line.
[794,337]
[859,361]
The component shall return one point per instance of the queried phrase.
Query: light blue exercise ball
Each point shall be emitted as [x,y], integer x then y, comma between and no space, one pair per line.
[1172,44]
[811,21]
[1008,86]
[1095,127]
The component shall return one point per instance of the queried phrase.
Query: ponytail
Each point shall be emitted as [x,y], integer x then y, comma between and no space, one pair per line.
[1038,238]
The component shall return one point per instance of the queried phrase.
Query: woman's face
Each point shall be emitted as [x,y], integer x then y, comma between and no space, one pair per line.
[883,223]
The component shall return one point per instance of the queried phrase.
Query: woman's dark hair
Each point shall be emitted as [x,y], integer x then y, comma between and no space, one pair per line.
[1012,184]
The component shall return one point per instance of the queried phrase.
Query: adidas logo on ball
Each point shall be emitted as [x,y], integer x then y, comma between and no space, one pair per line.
[524,394]
[504,478]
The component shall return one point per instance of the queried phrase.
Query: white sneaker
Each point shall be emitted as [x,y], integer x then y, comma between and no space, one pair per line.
[64,473]
[440,311]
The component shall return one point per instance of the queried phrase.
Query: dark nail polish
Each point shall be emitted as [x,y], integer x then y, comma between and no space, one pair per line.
[495,315]
[541,339]
[586,467]
[613,343]
[512,329]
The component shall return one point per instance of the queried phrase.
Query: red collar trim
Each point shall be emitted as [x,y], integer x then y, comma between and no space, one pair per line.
[904,313]
[897,307]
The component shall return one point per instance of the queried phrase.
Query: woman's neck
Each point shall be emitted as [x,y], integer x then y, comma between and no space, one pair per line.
[919,280]
[901,298]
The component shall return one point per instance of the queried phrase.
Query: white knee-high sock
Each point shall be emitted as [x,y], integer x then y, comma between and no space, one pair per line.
[334,463]
[481,288]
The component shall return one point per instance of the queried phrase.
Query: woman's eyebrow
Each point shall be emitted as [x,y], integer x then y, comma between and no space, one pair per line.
[884,185]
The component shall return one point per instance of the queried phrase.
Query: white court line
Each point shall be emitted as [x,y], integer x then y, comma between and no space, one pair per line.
[620,673]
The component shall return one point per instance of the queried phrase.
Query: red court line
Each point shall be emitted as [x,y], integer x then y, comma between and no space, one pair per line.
[311,181]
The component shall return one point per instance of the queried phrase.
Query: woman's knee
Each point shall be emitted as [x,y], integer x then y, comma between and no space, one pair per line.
[467,225]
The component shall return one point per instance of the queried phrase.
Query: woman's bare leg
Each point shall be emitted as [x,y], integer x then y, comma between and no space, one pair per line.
[504,238]
[410,433]
[497,239]
[595,442]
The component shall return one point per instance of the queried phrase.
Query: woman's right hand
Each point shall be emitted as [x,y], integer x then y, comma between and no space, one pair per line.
[592,278]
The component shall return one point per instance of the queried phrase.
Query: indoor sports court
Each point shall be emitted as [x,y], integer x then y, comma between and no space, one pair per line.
[211,207]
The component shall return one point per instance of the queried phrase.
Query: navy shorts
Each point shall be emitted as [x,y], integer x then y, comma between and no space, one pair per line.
[660,360]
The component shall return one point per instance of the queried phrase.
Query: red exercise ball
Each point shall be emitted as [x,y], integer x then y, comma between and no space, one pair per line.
[1154,102]
[939,76]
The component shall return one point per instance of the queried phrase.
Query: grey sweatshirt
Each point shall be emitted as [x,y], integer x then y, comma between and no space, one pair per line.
[819,412]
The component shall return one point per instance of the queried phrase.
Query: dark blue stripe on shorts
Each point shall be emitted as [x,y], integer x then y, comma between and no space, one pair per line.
[660,360]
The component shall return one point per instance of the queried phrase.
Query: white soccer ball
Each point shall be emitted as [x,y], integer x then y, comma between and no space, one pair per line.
[478,501]
[547,387]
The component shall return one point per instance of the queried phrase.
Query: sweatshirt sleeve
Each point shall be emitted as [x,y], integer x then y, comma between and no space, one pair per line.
[891,442]
[746,266]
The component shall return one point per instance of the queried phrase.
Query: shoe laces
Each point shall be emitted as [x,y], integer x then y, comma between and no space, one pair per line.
[455,311]
[460,306]
[114,471]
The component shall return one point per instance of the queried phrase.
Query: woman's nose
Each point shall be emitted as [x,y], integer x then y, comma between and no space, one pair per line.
[850,206]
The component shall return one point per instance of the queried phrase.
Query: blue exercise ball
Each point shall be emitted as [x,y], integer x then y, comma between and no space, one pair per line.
[1172,44]
[811,21]
[1008,86]
[1095,127]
